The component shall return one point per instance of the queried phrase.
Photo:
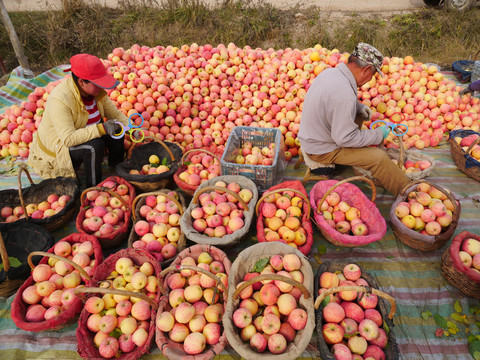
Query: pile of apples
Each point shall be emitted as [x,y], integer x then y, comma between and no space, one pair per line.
[120,322]
[202,167]
[470,253]
[253,155]
[466,142]
[159,227]
[341,216]
[53,290]
[152,168]
[219,213]
[195,307]
[282,214]
[353,326]
[45,209]
[268,315]
[105,213]
[426,210]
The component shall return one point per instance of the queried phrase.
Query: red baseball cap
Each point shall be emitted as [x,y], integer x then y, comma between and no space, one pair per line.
[91,68]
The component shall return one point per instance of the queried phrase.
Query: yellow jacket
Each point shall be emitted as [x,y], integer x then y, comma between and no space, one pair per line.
[64,125]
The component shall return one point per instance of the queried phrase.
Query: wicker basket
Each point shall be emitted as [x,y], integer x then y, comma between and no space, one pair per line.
[187,188]
[170,349]
[466,279]
[242,265]
[413,238]
[370,214]
[85,344]
[465,162]
[37,193]
[391,351]
[298,190]
[402,155]
[139,202]
[228,240]
[69,315]
[138,156]
[18,240]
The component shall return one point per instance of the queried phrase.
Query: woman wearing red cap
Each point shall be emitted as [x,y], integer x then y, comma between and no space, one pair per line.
[72,131]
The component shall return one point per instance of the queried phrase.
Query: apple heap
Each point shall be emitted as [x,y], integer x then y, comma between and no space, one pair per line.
[283,213]
[466,142]
[353,327]
[153,167]
[428,210]
[341,216]
[55,281]
[470,253]
[121,322]
[202,167]
[159,226]
[220,213]
[268,315]
[45,209]
[253,155]
[195,307]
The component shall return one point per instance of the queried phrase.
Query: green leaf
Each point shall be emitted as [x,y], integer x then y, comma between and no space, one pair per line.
[116,333]
[260,265]
[386,327]
[478,324]
[459,317]
[14,262]
[164,161]
[325,301]
[474,348]
[452,327]
[426,315]
[476,355]
[322,249]
[457,306]
[471,338]
[440,320]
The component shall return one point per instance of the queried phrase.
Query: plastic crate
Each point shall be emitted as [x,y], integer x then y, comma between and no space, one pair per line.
[264,176]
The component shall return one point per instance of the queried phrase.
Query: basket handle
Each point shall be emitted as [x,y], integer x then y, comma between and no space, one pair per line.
[197,269]
[82,290]
[182,162]
[262,277]
[219,188]
[180,207]
[58,257]
[353,178]
[441,188]
[102,188]
[401,149]
[23,168]
[470,148]
[4,254]
[130,149]
[297,192]
[363,289]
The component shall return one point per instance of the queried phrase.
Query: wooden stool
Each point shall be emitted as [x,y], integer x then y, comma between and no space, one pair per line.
[311,165]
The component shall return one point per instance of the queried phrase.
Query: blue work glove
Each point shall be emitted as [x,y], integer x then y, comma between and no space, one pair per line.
[385,131]
[465,91]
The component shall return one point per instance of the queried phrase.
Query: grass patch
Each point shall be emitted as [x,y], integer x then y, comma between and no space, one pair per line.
[51,38]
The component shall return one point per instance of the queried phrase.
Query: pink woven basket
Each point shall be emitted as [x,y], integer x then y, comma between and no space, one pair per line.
[370,215]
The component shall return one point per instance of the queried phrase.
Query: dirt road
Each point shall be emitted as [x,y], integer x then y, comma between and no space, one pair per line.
[323,5]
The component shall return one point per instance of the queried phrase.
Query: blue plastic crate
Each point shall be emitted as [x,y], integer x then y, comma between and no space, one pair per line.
[264,176]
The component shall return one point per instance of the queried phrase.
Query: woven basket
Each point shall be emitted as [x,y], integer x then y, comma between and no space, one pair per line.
[186,188]
[138,156]
[391,351]
[465,162]
[69,315]
[36,193]
[117,237]
[413,238]
[299,190]
[401,155]
[18,240]
[170,349]
[85,344]
[243,264]
[466,279]
[249,209]
[139,202]
[370,214]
